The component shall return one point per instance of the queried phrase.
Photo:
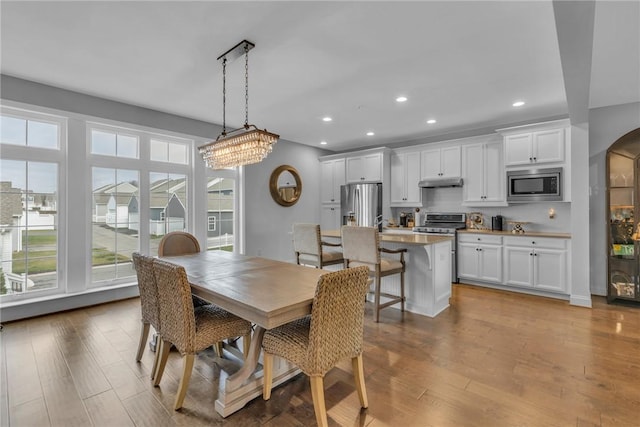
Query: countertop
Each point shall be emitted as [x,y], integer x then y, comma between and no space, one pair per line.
[526,233]
[404,238]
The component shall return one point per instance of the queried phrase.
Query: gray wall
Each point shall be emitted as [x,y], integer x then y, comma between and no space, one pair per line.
[268,225]
[606,125]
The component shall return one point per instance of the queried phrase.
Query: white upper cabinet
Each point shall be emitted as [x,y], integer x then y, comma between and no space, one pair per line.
[535,144]
[332,176]
[441,162]
[405,175]
[365,168]
[484,176]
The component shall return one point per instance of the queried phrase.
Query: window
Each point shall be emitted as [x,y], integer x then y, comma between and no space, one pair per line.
[108,143]
[171,152]
[29,203]
[116,223]
[167,205]
[28,132]
[221,210]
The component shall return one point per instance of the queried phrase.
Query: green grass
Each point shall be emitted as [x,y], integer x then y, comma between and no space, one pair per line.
[45,261]
[40,237]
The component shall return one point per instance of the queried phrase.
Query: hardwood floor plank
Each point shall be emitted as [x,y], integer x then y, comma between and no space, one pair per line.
[64,405]
[23,381]
[124,381]
[33,413]
[106,409]
[87,375]
[146,411]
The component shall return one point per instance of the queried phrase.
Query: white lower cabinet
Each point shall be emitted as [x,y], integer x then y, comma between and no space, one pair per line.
[519,262]
[330,217]
[539,263]
[480,257]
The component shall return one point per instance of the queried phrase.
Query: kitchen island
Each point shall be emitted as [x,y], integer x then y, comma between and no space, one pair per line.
[428,270]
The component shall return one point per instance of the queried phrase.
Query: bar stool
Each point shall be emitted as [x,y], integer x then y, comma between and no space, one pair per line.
[308,246]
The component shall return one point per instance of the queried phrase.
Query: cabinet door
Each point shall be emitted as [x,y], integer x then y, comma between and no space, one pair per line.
[518,266]
[494,175]
[450,162]
[330,217]
[398,179]
[355,169]
[373,167]
[430,164]
[413,192]
[467,254]
[549,269]
[548,146]
[473,188]
[517,149]
[332,176]
[490,263]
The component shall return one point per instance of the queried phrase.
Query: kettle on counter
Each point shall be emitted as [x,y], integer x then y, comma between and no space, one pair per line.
[497,222]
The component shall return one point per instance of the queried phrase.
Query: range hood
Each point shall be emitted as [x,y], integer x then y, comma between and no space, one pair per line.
[440,182]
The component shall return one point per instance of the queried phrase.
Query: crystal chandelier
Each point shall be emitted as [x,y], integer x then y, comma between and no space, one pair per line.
[243,146]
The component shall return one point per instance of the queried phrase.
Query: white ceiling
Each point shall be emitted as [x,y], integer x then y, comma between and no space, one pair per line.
[462,63]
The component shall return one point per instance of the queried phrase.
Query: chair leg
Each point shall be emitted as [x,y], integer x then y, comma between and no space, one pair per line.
[377,297]
[188,360]
[246,345]
[402,290]
[165,347]
[144,334]
[358,377]
[267,374]
[156,357]
[317,393]
[219,348]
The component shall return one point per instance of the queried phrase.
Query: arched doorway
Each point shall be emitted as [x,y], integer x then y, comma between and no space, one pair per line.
[623,204]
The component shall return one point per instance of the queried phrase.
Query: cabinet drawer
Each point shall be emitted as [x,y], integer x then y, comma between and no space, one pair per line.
[479,238]
[536,242]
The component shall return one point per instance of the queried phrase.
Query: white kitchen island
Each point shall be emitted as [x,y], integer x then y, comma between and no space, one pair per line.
[428,270]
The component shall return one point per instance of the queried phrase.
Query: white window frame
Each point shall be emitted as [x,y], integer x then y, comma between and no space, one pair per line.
[211,220]
[43,155]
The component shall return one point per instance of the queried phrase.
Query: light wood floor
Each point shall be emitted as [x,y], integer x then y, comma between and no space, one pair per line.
[492,359]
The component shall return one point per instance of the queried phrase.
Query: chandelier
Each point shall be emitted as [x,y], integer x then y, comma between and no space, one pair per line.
[245,145]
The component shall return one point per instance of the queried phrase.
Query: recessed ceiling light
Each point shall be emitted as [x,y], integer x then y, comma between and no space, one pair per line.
[323,142]
[370,133]
[401,99]
[431,121]
[518,103]
[326,119]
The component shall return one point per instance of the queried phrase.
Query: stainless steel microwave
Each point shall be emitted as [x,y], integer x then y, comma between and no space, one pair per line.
[534,185]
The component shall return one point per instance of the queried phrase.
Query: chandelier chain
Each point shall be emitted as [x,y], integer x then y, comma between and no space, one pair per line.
[246,85]
[224,95]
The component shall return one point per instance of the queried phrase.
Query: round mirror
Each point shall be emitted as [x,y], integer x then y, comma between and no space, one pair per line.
[285,185]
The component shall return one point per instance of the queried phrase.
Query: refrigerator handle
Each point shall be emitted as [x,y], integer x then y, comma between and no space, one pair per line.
[356,207]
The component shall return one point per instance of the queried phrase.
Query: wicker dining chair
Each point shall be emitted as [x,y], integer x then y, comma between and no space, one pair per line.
[178,243]
[148,303]
[190,329]
[361,246]
[332,332]
[308,246]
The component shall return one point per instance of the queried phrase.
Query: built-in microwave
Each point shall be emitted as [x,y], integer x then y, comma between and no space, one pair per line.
[534,185]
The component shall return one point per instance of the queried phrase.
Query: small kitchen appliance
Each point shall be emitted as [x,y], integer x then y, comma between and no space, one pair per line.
[497,223]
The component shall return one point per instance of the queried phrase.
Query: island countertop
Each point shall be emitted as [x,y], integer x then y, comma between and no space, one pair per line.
[525,234]
[404,238]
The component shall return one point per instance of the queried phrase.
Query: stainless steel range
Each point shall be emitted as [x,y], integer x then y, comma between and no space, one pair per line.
[445,224]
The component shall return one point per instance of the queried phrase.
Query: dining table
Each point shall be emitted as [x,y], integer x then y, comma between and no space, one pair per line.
[266,292]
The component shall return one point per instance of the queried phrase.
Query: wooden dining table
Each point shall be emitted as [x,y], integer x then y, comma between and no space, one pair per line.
[267,293]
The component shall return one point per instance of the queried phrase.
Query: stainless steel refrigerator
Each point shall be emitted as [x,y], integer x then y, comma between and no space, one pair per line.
[362,203]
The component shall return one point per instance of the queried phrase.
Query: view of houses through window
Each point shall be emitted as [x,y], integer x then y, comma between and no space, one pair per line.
[28,205]
[140,190]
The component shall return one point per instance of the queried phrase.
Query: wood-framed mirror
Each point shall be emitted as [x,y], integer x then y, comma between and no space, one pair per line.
[285,185]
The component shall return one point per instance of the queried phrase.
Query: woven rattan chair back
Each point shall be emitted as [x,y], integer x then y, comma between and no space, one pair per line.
[360,244]
[178,243]
[148,289]
[176,306]
[337,319]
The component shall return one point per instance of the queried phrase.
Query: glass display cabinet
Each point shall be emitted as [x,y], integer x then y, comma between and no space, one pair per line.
[623,194]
